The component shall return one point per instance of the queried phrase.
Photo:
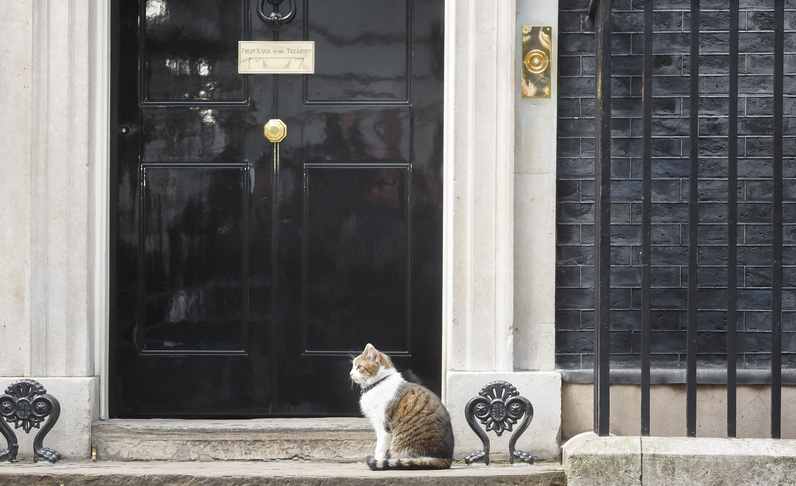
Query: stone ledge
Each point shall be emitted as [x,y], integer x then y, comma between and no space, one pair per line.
[591,460]
[284,473]
[632,376]
[602,461]
[328,439]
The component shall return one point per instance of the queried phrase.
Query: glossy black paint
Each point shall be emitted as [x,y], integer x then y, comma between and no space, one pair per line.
[245,273]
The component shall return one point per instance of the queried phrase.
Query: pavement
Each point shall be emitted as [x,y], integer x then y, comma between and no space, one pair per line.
[251,473]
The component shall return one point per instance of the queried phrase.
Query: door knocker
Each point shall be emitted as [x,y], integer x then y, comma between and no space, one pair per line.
[275,20]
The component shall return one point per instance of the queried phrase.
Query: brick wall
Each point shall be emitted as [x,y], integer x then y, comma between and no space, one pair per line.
[670,185]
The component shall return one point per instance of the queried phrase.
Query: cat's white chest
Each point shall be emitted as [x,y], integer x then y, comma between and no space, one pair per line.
[374,402]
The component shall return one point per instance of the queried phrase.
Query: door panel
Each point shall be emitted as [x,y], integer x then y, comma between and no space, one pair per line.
[190,50]
[384,71]
[356,253]
[246,273]
[195,133]
[194,276]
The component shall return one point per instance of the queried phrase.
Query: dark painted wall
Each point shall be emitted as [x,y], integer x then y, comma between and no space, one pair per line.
[670,186]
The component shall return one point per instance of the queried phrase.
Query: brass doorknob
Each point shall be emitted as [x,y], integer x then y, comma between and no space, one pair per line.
[275,130]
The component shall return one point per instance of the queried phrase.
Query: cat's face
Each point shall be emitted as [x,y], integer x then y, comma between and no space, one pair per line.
[367,365]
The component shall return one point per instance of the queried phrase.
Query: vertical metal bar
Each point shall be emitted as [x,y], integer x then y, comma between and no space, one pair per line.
[275,167]
[274,334]
[732,226]
[776,300]
[693,221]
[602,223]
[646,219]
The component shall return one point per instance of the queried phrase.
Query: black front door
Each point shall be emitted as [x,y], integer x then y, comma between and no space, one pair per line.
[246,273]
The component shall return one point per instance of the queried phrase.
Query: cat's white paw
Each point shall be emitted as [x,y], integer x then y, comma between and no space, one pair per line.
[376,464]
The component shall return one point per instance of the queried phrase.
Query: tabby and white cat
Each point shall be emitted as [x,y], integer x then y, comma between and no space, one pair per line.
[413,428]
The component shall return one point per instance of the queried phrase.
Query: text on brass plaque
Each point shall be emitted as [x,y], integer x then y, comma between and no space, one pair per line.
[276,57]
[536,60]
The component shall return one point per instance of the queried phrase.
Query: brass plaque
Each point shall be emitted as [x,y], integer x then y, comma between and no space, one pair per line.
[536,61]
[276,57]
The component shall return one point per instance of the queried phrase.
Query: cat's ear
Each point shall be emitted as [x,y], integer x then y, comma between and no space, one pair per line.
[371,352]
[385,361]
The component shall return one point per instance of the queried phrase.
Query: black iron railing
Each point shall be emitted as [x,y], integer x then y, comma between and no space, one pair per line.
[600,11]
[732,225]
[602,222]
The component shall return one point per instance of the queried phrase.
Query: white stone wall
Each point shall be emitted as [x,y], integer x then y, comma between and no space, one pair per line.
[500,169]
[535,207]
[479,185]
[46,327]
[47,323]
[16,43]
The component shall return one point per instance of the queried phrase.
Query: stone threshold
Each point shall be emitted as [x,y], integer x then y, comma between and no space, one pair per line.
[286,473]
[312,439]
[590,460]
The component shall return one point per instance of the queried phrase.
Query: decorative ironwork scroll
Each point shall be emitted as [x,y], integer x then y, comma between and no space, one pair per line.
[498,406]
[26,403]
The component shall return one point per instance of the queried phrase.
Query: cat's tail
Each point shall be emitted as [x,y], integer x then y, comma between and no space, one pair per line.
[409,463]
[420,463]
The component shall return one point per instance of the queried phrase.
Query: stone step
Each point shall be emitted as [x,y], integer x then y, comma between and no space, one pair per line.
[325,439]
[283,473]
